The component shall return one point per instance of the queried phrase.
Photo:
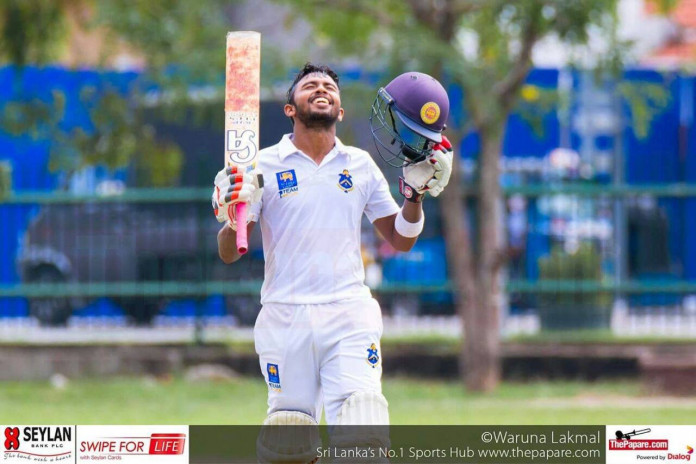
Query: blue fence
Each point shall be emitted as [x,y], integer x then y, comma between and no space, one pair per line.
[665,156]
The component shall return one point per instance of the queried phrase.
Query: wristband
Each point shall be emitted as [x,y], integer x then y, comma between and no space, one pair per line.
[409,192]
[408,229]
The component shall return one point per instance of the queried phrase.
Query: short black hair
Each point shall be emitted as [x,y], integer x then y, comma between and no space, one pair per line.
[310,68]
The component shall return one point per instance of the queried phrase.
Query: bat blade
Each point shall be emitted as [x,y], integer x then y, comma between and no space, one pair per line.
[242,100]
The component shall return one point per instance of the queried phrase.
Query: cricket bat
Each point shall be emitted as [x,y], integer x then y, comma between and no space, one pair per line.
[242,88]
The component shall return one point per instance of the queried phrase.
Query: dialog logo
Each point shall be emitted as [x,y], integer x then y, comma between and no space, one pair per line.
[38,443]
[681,456]
[132,444]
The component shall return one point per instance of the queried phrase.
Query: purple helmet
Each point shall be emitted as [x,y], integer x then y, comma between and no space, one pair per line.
[421,106]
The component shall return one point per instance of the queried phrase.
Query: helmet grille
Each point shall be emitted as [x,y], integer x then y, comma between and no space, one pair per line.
[396,144]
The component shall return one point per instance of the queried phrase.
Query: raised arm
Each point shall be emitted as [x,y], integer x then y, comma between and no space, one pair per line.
[232,187]
[227,243]
[412,214]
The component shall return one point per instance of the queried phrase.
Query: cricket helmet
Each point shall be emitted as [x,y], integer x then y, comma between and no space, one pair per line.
[408,117]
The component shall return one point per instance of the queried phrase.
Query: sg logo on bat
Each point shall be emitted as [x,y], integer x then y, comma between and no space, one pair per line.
[240,146]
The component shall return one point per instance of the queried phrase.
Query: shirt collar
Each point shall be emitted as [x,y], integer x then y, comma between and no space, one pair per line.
[287,148]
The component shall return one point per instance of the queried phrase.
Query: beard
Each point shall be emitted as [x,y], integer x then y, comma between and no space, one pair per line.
[317,120]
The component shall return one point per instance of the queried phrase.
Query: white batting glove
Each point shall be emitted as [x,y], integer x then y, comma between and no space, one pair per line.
[233,186]
[432,174]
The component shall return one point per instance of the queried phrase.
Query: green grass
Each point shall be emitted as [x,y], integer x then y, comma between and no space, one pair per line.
[243,401]
[601,336]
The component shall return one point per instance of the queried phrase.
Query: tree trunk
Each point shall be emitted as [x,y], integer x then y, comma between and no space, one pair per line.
[482,311]
[475,274]
[458,241]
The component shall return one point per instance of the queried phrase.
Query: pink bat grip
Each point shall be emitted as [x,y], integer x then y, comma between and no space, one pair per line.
[241,217]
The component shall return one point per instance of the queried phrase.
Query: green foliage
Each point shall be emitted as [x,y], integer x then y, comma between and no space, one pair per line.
[179,53]
[115,138]
[357,29]
[483,46]
[31,30]
[536,103]
[645,101]
[585,264]
[120,134]
[182,41]
[664,6]
[33,117]
[162,168]
[356,99]
[5,179]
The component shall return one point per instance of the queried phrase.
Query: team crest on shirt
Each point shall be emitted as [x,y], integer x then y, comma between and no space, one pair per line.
[273,376]
[287,183]
[345,181]
[373,355]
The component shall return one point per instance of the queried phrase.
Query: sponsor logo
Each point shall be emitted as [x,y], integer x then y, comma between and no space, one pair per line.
[240,145]
[670,443]
[135,444]
[625,442]
[273,376]
[287,183]
[430,112]
[638,445]
[11,438]
[681,456]
[373,355]
[408,191]
[345,181]
[38,444]
[167,443]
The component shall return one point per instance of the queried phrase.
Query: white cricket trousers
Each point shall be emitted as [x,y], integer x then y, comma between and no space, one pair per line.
[314,355]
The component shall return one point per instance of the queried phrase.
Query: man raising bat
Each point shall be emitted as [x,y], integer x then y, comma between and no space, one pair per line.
[318,332]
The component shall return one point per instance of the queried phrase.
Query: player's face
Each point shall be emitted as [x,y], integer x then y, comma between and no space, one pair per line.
[317,101]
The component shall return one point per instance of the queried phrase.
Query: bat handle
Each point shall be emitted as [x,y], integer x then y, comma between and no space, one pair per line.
[241,216]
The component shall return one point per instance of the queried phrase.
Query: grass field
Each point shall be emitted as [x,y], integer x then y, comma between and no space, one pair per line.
[243,401]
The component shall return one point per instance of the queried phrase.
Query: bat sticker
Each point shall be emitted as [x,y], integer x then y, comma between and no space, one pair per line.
[241,147]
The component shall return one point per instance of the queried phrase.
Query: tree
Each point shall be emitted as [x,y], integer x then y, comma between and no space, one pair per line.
[166,36]
[484,46]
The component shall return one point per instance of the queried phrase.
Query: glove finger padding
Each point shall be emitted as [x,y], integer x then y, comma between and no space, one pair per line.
[444,145]
[233,187]
[431,175]
[442,163]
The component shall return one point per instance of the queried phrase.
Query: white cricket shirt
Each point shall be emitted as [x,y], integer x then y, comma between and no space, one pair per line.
[310,220]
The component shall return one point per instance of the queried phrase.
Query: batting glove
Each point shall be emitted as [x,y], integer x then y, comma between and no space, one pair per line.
[432,174]
[233,186]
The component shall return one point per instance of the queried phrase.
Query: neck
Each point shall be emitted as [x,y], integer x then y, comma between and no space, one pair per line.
[315,143]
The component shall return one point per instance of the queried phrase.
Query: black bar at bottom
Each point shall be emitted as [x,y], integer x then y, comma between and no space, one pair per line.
[402,444]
